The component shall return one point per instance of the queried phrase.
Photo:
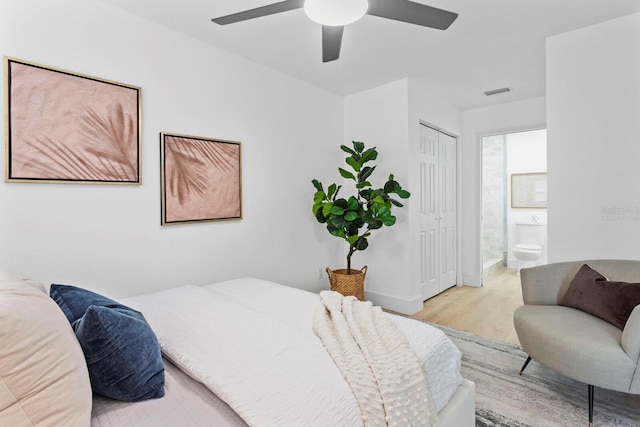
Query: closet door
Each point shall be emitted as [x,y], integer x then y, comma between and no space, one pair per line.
[447,209]
[437,211]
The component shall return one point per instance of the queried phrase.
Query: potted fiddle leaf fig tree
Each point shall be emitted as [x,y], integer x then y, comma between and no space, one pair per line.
[354,217]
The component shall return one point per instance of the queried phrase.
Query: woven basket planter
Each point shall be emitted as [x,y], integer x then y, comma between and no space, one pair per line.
[348,284]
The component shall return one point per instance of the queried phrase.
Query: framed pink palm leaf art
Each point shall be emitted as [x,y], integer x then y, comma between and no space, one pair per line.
[201,179]
[67,127]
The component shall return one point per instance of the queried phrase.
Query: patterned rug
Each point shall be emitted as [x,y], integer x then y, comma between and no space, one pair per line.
[538,398]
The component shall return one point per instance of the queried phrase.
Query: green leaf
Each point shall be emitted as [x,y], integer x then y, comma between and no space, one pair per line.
[318,196]
[346,174]
[331,191]
[366,194]
[352,229]
[347,149]
[376,224]
[362,244]
[338,232]
[404,194]
[383,211]
[378,200]
[370,154]
[359,146]
[366,172]
[353,204]
[390,177]
[390,186]
[389,220]
[350,216]
[375,193]
[353,163]
[396,203]
[352,239]
[321,218]
[338,222]
[342,203]
[337,191]
[326,209]
[317,185]
[337,210]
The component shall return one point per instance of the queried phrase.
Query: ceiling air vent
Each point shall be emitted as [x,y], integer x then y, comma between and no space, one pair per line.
[497,91]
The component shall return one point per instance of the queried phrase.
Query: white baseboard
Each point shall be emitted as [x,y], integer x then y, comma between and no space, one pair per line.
[400,305]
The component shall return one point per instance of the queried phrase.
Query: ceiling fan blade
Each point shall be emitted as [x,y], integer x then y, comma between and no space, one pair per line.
[258,12]
[331,42]
[412,13]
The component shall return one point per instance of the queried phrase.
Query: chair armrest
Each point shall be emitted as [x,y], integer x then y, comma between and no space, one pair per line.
[542,285]
[631,335]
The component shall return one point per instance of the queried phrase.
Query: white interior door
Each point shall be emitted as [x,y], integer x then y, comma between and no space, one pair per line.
[447,210]
[437,211]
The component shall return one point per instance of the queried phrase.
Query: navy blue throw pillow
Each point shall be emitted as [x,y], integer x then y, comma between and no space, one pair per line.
[74,301]
[122,352]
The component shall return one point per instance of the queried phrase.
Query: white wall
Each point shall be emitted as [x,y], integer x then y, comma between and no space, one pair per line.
[378,117]
[109,238]
[479,122]
[593,111]
[431,110]
[389,117]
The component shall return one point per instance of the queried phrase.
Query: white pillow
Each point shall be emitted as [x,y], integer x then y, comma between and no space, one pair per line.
[43,375]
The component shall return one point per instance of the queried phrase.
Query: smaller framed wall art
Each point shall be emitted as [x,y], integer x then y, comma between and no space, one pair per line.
[67,127]
[201,179]
[529,190]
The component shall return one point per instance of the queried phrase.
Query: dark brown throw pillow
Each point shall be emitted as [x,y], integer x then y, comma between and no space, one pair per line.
[592,293]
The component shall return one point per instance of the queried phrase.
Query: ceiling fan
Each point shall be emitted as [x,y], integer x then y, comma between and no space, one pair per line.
[333,15]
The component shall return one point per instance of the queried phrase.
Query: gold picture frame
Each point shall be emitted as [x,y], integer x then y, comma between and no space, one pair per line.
[529,190]
[66,127]
[201,179]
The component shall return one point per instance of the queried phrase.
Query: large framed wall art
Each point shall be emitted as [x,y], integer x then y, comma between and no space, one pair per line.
[67,127]
[201,179]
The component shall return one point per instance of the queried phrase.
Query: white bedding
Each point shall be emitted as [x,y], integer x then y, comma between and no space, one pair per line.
[251,342]
[185,403]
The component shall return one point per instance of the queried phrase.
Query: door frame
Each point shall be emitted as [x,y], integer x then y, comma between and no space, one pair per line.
[480,185]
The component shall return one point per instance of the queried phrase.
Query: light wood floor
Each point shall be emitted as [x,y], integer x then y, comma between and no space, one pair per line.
[486,311]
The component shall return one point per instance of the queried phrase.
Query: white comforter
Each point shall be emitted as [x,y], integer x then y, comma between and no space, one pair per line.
[251,342]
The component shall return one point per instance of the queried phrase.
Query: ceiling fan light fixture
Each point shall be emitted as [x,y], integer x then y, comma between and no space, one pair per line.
[335,12]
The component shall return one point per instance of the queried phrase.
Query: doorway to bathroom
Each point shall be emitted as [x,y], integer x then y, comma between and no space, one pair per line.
[514,196]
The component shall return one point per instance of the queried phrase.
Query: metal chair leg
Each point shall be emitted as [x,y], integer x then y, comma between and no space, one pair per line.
[525,365]
[591,389]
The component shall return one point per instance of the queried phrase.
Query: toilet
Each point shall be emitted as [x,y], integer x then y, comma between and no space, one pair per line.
[530,239]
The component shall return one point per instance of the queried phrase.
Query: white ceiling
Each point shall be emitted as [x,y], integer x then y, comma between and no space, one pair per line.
[492,44]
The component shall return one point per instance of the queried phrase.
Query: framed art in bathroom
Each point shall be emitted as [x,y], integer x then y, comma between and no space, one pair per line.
[529,190]
[201,179]
[67,127]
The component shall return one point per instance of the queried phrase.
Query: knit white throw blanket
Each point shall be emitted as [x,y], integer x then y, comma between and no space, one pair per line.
[385,375]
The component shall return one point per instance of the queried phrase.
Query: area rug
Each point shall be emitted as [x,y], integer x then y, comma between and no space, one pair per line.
[538,398]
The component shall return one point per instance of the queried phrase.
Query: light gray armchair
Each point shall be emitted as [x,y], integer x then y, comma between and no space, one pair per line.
[572,342]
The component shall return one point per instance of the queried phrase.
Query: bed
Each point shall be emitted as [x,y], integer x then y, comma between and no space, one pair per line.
[279,376]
